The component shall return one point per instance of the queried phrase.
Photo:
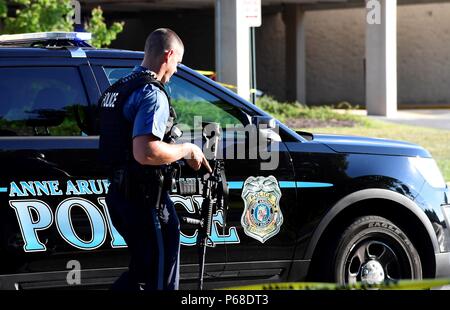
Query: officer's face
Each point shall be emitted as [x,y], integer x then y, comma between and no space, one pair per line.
[173,58]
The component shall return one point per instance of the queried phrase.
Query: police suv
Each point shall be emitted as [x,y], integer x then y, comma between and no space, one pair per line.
[310,207]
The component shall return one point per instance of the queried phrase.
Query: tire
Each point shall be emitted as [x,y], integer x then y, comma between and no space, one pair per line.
[373,249]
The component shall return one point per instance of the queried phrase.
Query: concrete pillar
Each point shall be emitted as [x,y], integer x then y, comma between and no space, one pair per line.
[381,57]
[232,46]
[294,19]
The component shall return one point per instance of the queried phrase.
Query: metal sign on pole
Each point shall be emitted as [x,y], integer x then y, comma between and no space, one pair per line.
[252,12]
[252,15]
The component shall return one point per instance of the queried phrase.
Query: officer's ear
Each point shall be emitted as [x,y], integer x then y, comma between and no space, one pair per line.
[168,54]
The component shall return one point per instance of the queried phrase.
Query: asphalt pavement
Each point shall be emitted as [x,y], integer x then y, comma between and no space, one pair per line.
[436,118]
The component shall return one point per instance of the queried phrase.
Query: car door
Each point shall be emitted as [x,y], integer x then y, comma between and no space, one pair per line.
[50,183]
[234,253]
[259,238]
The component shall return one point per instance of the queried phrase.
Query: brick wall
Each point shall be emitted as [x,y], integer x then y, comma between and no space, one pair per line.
[334,48]
[335,55]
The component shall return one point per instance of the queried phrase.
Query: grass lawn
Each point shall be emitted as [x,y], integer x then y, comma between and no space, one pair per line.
[437,142]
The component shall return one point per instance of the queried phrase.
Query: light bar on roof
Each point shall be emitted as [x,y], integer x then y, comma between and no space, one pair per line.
[44,36]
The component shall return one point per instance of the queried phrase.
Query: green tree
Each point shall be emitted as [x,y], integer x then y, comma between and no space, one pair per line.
[38,16]
[54,15]
[3,8]
[102,35]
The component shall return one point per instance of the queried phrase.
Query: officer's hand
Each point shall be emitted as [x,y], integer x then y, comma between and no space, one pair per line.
[196,158]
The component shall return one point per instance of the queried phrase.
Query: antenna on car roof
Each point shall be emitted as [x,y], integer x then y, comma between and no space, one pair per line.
[50,39]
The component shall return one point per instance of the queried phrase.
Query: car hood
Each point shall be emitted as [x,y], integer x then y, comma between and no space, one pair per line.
[363,145]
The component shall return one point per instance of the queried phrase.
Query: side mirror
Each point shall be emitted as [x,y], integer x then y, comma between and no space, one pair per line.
[266,126]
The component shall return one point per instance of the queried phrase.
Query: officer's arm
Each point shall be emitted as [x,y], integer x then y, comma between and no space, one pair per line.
[149,150]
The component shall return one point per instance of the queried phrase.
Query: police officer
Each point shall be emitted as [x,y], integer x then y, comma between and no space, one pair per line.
[136,122]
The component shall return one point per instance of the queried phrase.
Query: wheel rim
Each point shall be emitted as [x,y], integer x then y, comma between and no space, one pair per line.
[374,260]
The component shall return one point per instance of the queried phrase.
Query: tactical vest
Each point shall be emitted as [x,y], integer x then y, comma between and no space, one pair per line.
[116,143]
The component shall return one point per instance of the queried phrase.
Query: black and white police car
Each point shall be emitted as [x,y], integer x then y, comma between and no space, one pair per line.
[333,208]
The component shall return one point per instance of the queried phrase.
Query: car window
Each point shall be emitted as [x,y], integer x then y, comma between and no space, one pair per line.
[41,101]
[113,74]
[191,101]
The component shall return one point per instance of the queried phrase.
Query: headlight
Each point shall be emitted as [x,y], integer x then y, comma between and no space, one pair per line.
[429,170]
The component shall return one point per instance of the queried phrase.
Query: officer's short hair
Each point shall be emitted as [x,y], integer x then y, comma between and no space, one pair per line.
[161,40]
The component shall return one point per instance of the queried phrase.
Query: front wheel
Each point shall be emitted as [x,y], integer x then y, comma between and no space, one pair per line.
[372,250]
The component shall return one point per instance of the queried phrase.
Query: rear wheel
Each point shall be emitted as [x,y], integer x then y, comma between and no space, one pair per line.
[373,249]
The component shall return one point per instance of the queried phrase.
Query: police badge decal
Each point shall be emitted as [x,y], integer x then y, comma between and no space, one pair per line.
[262,217]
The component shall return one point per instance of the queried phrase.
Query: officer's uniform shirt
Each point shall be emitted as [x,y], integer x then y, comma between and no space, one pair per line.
[149,108]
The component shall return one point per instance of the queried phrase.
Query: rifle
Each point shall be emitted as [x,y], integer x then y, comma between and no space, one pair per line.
[215,193]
